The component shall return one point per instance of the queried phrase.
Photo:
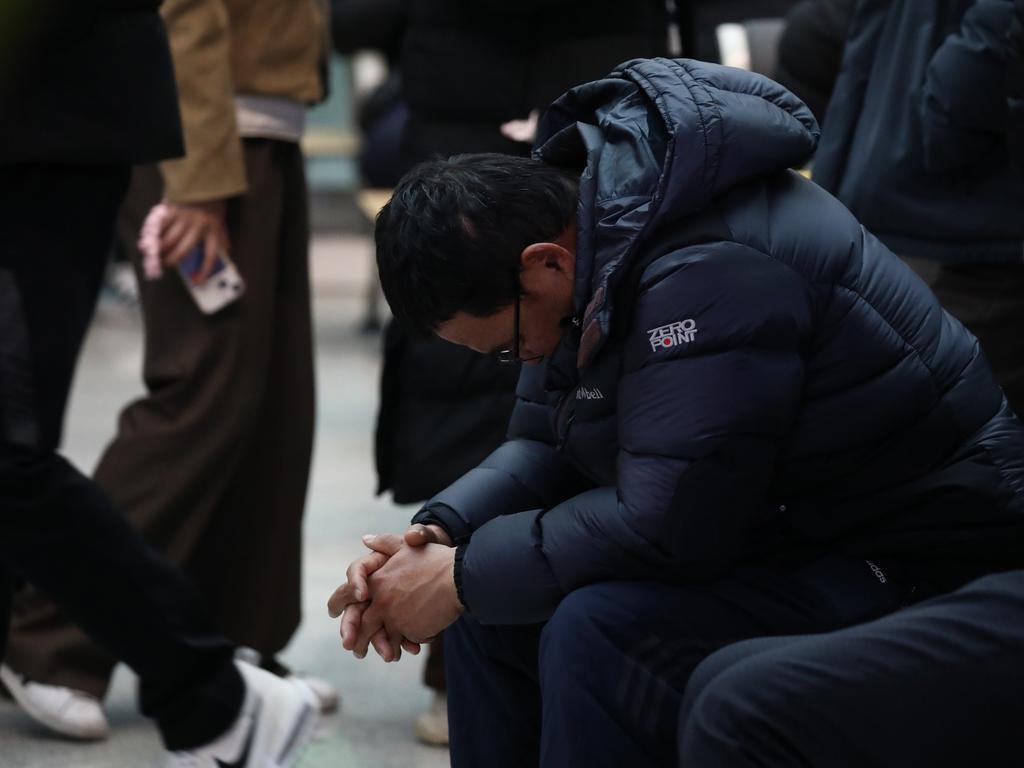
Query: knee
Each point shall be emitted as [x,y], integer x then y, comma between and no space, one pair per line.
[578,628]
[576,617]
[719,662]
[712,723]
[732,718]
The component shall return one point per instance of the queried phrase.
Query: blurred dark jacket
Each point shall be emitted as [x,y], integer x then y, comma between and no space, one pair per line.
[378,25]
[699,21]
[66,95]
[467,66]
[1015,88]
[811,50]
[915,142]
[381,114]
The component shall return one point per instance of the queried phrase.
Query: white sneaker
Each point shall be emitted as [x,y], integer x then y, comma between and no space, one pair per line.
[432,725]
[326,694]
[273,728]
[71,713]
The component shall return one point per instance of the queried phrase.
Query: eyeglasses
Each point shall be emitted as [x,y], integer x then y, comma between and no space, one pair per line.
[512,355]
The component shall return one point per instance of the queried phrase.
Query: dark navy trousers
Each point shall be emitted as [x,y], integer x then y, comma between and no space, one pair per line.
[601,683]
[938,684]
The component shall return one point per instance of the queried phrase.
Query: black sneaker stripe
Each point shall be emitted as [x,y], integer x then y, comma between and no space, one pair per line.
[296,732]
[244,757]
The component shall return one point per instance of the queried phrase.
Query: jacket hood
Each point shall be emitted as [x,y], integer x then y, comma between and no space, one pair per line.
[657,140]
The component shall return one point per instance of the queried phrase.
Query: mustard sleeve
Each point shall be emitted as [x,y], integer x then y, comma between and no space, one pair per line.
[213,167]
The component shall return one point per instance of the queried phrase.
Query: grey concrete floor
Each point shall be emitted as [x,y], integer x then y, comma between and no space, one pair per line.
[374,727]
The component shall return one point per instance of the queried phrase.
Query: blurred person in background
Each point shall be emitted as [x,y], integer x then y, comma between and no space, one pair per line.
[381,113]
[798,44]
[1015,90]
[211,465]
[811,51]
[916,145]
[699,20]
[939,684]
[87,91]
[473,78]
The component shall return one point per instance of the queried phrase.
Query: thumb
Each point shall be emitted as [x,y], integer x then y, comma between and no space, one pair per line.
[419,534]
[385,543]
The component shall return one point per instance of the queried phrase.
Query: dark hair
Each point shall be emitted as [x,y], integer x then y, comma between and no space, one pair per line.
[450,238]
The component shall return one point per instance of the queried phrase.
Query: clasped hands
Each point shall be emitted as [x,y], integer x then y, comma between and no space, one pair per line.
[400,595]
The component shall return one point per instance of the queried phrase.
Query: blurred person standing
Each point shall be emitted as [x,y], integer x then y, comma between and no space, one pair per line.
[212,464]
[380,110]
[1015,89]
[915,144]
[699,20]
[474,77]
[86,91]
[811,51]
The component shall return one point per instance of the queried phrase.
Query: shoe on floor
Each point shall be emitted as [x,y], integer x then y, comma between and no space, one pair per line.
[326,694]
[272,730]
[324,691]
[432,725]
[71,713]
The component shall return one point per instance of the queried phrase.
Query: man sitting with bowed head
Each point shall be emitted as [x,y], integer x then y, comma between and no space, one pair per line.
[740,415]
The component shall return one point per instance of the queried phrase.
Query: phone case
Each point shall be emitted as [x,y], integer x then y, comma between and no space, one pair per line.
[221,288]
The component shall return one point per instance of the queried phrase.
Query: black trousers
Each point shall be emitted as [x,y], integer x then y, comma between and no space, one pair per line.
[601,683]
[938,684]
[58,531]
[227,419]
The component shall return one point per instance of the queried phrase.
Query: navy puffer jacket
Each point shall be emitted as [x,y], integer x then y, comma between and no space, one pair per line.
[754,375]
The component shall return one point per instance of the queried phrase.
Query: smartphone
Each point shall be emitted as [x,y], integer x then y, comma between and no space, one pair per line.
[223,286]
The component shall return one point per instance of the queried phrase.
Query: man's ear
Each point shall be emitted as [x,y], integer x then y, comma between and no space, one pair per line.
[547,256]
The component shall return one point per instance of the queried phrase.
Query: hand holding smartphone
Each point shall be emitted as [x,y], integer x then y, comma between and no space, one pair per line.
[223,285]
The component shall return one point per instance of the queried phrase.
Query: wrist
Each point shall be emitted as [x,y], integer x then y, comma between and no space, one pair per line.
[457,555]
[440,534]
[437,513]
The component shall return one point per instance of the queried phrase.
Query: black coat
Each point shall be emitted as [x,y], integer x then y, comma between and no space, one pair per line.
[1015,89]
[811,50]
[755,375]
[470,65]
[915,138]
[467,66]
[89,83]
[443,408]
[699,21]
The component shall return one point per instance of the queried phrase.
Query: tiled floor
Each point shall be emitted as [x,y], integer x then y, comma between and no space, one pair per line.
[380,701]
